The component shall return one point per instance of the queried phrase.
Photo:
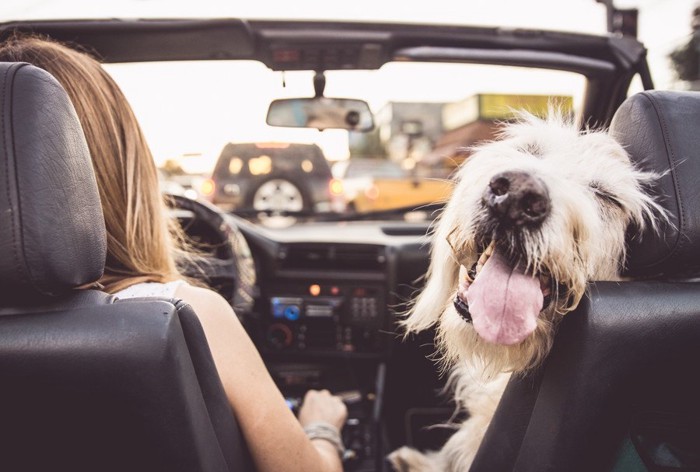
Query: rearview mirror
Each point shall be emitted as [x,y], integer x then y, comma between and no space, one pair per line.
[321,113]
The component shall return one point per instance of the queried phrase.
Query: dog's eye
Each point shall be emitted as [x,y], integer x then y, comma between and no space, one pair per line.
[604,195]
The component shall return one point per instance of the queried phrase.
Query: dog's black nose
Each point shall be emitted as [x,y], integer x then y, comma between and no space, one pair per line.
[518,198]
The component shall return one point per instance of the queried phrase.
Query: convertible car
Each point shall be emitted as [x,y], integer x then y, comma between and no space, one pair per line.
[89,384]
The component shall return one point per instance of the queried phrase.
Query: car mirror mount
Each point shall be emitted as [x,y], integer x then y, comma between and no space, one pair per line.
[319,84]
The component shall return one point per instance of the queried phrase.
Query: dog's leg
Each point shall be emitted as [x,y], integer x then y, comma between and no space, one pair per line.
[455,456]
[480,398]
[406,459]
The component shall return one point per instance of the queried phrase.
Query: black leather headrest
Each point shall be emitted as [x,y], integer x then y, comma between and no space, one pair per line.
[52,236]
[661,132]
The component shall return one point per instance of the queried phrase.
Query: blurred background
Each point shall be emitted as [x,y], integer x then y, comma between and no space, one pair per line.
[191,112]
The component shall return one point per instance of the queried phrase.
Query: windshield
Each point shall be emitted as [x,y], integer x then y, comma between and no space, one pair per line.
[205,123]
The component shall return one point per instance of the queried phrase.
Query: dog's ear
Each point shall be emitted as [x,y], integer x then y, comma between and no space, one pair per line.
[440,286]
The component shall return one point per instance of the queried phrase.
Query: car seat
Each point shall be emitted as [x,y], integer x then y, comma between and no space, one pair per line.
[620,389]
[88,382]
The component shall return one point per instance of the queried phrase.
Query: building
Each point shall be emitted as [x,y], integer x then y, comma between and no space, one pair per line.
[478,118]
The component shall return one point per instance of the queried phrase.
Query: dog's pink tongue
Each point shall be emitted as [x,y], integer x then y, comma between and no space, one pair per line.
[504,302]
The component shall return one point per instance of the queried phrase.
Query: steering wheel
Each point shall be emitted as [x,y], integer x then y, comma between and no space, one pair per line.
[223,259]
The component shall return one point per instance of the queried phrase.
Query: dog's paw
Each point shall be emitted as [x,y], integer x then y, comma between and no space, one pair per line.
[406,459]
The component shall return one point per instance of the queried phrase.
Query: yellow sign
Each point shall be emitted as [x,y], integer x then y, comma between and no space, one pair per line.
[503,107]
[490,107]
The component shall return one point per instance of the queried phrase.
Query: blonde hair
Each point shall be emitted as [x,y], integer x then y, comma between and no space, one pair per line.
[141,239]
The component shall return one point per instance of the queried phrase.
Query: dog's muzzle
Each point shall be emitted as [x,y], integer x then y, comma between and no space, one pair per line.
[462,309]
[517,198]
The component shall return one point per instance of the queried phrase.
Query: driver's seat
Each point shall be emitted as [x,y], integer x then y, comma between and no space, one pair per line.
[87,382]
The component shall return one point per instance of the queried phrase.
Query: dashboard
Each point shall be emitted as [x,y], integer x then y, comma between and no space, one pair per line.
[320,301]
[329,294]
[326,288]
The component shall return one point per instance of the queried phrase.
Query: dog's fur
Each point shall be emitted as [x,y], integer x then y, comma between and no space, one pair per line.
[596,195]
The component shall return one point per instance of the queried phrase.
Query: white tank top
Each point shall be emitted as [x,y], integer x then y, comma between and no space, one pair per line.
[151,289]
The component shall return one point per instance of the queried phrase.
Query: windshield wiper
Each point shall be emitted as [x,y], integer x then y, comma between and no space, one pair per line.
[251,212]
[333,216]
[384,214]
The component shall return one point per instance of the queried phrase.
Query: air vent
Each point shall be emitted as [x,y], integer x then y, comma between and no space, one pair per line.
[332,257]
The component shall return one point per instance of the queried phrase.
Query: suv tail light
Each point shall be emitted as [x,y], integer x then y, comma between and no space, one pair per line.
[208,188]
[337,191]
[335,186]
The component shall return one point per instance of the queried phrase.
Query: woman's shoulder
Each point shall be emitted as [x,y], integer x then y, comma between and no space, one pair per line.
[221,326]
[203,300]
[151,289]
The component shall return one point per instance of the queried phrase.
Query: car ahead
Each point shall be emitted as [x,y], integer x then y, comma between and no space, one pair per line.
[283,177]
[379,184]
[323,295]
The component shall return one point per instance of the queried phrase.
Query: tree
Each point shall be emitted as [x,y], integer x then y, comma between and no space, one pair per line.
[686,58]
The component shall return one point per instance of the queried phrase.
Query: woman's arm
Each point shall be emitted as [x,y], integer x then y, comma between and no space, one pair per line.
[275,438]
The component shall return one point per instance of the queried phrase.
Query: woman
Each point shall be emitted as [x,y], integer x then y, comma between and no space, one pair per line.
[141,245]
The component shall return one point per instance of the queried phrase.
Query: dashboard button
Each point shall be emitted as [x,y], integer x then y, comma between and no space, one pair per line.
[292,312]
[279,335]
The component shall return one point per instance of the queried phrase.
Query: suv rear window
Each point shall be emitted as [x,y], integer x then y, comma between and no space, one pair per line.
[252,159]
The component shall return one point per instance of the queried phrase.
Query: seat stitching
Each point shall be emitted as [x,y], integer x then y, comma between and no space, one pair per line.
[7,170]
[679,243]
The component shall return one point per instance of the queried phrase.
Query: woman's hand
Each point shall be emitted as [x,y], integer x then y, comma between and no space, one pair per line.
[320,405]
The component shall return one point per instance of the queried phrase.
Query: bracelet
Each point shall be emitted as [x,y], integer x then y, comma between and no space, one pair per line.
[327,432]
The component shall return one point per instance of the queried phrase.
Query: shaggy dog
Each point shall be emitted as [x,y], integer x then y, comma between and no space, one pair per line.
[534,216]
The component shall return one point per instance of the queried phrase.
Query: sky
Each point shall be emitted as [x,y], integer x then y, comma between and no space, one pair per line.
[203,118]
[218,102]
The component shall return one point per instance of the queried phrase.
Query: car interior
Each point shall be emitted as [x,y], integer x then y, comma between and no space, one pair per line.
[91,382]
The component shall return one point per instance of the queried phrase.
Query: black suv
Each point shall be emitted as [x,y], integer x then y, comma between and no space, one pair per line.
[274,177]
